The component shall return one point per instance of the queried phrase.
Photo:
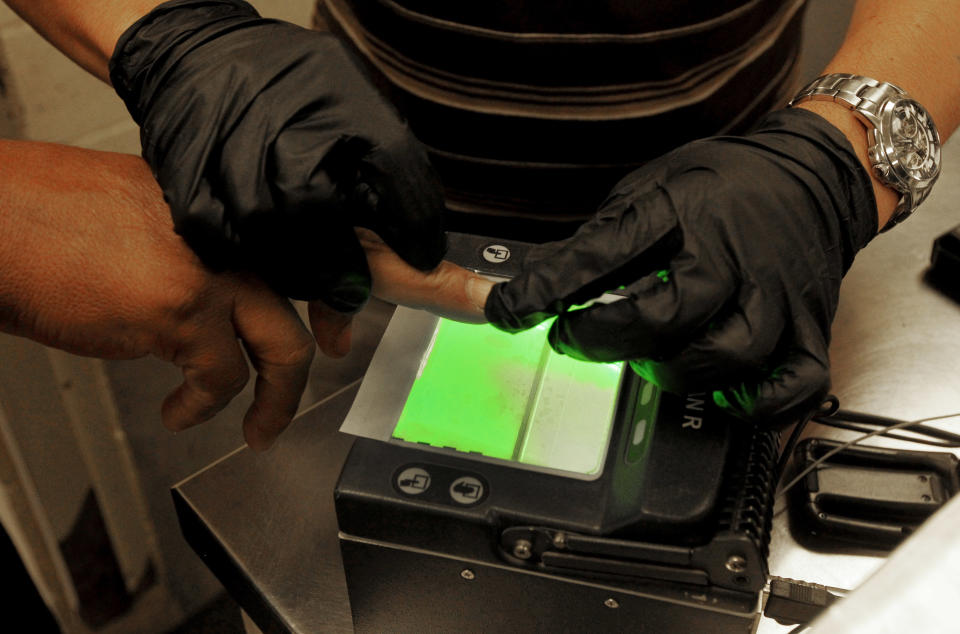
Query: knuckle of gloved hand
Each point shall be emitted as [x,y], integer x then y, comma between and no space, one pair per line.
[737,350]
[306,169]
[784,398]
[396,150]
[398,173]
[405,208]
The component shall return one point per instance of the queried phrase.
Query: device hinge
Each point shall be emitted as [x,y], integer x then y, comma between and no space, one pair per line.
[559,550]
[727,561]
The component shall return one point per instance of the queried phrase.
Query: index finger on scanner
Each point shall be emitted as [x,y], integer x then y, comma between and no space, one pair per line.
[449,290]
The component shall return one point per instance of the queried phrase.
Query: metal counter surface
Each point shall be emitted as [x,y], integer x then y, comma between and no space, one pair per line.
[265,524]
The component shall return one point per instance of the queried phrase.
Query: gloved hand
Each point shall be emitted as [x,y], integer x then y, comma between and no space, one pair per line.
[730,252]
[270,145]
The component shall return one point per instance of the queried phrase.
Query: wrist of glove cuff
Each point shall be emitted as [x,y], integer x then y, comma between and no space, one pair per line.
[806,136]
[152,42]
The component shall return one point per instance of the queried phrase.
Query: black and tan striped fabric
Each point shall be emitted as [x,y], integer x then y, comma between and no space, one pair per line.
[533,109]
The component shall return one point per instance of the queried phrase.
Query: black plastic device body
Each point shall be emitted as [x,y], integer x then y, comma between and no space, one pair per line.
[944,272]
[672,537]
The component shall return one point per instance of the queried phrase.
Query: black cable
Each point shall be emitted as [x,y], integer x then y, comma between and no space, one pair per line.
[877,432]
[792,601]
[831,422]
[828,407]
[847,416]
[831,414]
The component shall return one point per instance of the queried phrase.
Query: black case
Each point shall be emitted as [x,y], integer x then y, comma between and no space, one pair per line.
[867,497]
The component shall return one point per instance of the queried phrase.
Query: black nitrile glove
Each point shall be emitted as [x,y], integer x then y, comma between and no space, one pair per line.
[271,145]
[730,251]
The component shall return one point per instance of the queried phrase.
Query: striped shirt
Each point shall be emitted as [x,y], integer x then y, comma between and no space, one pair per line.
[534,109]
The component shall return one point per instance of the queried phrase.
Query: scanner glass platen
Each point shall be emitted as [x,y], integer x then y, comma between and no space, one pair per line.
[510,397]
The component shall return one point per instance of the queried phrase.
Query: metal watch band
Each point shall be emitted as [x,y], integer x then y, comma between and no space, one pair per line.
[862,94]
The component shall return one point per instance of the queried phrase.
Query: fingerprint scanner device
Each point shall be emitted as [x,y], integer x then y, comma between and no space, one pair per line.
[496,485]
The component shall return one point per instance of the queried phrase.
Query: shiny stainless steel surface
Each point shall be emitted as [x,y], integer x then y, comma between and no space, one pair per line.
[265,523]
[393,369]
[895,352]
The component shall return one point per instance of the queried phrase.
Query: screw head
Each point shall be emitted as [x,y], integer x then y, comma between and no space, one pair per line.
[560,541]
[612,603]
[523,549]
[467,574]
[736,563]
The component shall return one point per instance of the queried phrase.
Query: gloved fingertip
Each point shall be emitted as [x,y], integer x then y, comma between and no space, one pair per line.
[348,300]
[497,311]
[773,403]
[560,344]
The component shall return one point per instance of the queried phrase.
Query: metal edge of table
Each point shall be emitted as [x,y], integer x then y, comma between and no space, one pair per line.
[265,523]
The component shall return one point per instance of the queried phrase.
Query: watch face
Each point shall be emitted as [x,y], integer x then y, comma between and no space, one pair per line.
[911,141]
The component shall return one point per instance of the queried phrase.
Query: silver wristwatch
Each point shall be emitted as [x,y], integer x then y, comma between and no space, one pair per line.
[904,146]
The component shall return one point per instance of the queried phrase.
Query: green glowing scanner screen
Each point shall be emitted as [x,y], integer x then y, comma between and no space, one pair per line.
[511,397]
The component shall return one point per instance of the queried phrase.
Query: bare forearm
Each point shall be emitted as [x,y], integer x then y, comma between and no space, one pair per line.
[89,263]
[914,44]
[86,31]
[56,223]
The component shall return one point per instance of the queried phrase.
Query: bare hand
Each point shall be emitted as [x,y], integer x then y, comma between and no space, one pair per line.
[90,264]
